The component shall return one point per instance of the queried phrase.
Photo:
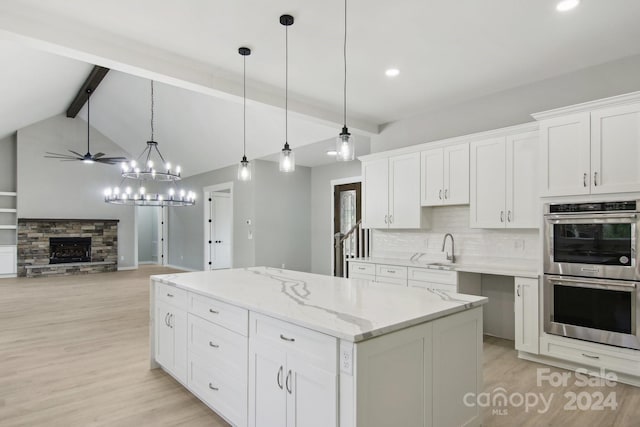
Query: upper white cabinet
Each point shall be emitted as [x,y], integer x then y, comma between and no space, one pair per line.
[391,192]
[503,182]
[445,176]
[590,152]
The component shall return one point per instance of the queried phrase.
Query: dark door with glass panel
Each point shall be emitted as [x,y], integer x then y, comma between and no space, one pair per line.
[346,214]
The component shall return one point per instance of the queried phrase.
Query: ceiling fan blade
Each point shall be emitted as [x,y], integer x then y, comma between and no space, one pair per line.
[110,160]
[77,154]
[61,156]
[97,155]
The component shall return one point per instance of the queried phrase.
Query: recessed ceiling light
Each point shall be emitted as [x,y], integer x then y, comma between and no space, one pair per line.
[332,153]
[392,72]
[566,5]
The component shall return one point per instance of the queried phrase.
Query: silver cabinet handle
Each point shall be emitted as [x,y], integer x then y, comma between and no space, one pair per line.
[282,337]
[518,290]
[279,377]
[213,388]
[590,356]
[440,194]
[386,219]
[446,194]
[287,381]
[509,216]
[170,295]
[212,311]
[501,216]
[391,271]
[211,344]
[166,319]
[171,321]
[390,219]
[595,179]
[584,179]
[361,268]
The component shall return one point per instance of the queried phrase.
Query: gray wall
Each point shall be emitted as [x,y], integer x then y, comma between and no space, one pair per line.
[283,217]
[49,188]
[321,214]
[186,224]
[8,163]
[513,106]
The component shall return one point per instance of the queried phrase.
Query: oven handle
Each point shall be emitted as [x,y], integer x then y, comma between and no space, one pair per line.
[595,283]
[591,216]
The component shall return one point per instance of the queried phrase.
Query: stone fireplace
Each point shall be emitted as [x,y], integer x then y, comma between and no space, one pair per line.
[53,247]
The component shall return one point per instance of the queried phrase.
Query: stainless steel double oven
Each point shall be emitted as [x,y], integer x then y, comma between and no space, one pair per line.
[591,271]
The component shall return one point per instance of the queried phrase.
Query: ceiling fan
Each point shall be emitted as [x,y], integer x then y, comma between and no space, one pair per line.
[87,158]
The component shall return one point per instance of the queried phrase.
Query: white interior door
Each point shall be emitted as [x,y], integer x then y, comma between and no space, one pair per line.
[221,211]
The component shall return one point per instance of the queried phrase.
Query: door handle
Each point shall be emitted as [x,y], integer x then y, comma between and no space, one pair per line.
[170,321]
[211,344]
[279,377]
[212,311]
[213,388]
[390,219]
[287,381]
[166,319]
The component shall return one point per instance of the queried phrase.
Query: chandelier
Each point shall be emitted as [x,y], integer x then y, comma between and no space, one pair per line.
[153,179]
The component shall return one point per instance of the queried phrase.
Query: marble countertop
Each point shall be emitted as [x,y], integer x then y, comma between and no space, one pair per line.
[497,266]
[349,309]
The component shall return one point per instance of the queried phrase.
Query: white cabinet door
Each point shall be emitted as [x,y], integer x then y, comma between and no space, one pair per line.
[488,172]
[267,388]
[526,314]
[404,191]
[432,177]
[522,181]
[375,193]
[615,149]
[164,341]
[565,155]
[178,322]
[8,260]
[311,395]
[456,175]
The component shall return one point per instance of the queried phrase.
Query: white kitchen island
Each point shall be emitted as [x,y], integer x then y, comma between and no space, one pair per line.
[270,347]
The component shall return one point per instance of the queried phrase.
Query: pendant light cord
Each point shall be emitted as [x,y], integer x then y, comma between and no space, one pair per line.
[88,117]
[152,111]
[244,107]
[345,62]
[286,85]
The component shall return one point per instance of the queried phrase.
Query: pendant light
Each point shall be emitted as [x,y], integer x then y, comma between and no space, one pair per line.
[287,157]
[244,168]
[345,148]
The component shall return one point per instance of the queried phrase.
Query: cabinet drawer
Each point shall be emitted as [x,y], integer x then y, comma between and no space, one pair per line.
[362,276]
[617,360]
[362,268]
[317,348]
[432,285]
[219,346]
[392,281]
[222,392]
[220,313]
[171,295]
[393,271]
[433,276]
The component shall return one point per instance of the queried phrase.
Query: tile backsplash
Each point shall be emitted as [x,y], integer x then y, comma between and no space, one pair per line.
[521,244]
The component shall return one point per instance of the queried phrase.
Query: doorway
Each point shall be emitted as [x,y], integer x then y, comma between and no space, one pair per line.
[152,227]
[347,212]
[218,225]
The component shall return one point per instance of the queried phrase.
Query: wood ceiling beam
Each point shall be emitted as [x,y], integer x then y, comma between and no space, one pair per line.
[92,82]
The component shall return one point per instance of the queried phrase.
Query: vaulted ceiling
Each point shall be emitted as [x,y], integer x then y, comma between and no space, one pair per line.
[448,52]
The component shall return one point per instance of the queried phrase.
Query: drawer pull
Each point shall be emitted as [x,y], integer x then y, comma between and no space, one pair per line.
[211,344]
[213,388]
[212,311]
[282,337]
[391,271]
[361,268]
[170,295]
[590,356]
[279,378]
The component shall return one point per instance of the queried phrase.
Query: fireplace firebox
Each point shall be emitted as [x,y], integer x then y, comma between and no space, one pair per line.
[69,249]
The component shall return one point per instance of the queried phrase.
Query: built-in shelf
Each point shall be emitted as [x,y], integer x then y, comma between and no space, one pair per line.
[8,227]
[8,193]
[12,210]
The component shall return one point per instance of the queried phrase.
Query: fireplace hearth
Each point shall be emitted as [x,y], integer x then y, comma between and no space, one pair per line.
[69,249]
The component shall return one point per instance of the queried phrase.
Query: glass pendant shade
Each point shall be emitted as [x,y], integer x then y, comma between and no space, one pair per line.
[287,159]
[345,148]
[244,170]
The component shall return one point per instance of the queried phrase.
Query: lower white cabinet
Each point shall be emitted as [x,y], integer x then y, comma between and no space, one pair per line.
[171,339]
[527,322]
[444,280]
[8,260]
[292,375]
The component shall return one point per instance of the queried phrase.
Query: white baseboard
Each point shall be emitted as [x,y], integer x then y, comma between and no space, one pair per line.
[147,262]
[134,267]
[177,267]
[7,276]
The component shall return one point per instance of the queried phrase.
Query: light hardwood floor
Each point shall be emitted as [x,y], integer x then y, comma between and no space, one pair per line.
[74,352]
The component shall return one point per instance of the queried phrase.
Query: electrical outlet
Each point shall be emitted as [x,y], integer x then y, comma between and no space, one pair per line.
[346,358]
[518,244]
[283,265]
[121,257]
[250,235]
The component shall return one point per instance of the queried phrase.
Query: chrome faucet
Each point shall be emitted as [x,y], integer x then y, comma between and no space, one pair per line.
[451,257]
